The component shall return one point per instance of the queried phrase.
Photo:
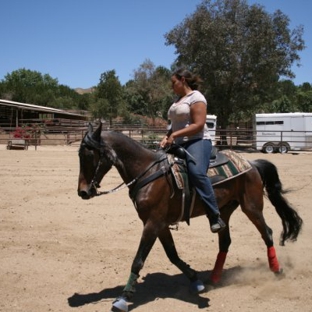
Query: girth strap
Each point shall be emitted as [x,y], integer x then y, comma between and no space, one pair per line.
[159,173]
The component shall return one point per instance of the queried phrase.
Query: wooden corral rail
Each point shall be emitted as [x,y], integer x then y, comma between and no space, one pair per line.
[239,139]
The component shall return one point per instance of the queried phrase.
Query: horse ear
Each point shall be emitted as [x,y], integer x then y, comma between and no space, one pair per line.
[97,133]
[90,128]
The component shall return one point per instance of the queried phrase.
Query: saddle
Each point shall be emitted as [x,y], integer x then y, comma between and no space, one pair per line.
[223,166]
[216,159]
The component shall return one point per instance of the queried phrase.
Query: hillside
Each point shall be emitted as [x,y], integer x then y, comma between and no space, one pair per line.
[83,91]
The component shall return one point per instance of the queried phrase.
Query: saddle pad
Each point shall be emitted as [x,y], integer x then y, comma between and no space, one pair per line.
[235,166]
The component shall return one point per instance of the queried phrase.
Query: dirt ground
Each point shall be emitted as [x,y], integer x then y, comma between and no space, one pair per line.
[60,253]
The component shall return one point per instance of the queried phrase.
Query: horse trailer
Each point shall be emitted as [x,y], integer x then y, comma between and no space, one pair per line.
[211,122]
[282,132]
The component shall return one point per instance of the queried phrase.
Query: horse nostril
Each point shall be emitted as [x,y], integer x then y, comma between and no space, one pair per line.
[83,194]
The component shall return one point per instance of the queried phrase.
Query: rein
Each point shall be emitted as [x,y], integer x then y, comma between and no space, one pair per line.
[120,186]
[117,188]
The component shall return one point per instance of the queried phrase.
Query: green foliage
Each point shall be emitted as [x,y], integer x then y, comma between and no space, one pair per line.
[109,97]
[28,86]
[282,105]
[149,93]
[282,99]
[99,108]
[289,98]
[151,141]
[304,98]
[131,119]
[84,101]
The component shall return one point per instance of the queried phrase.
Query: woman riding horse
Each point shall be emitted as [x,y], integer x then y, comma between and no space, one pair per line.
[189,129]
[157,200]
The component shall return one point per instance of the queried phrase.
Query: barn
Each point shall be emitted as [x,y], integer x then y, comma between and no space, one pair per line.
[48,125]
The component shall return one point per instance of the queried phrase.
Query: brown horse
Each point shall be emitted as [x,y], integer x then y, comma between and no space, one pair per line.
[158,201]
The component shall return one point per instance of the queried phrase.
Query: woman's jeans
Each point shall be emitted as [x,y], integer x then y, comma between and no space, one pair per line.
[198,164]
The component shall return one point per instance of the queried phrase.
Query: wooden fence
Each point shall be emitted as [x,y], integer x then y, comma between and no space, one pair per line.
[72,133]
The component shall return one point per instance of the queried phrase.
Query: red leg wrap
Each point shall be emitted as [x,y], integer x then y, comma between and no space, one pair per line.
[273,262]
[217,270]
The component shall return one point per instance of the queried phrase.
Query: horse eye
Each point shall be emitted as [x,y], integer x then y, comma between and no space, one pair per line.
[85,152]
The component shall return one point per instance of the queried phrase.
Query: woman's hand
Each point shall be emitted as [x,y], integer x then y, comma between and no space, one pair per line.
[163,142]
[170,140]
[166,141]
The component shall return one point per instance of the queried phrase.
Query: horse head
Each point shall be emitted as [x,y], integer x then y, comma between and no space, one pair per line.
[96,159]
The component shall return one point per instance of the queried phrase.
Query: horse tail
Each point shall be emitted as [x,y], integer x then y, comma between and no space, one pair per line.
[292,222]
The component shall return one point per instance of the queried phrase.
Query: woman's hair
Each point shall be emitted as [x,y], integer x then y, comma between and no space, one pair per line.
[192,80]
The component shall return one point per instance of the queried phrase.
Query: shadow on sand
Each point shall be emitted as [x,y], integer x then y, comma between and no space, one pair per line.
[156,286]
[152,287]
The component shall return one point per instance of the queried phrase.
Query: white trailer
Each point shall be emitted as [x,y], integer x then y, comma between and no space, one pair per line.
[281,132]
[211,122]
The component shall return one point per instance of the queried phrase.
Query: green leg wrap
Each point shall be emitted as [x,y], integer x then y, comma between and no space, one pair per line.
[131,283]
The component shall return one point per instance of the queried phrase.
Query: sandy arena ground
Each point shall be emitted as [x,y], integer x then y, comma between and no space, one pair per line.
[60,253]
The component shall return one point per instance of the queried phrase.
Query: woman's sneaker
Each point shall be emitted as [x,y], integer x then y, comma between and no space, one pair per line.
[217,226]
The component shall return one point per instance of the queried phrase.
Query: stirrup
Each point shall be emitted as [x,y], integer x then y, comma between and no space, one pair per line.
[218,226]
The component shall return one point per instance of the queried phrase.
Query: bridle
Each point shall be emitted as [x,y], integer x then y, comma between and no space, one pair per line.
[100,147]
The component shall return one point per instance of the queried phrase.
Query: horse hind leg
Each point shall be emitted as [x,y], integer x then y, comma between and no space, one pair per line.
[252,206]
[166,239]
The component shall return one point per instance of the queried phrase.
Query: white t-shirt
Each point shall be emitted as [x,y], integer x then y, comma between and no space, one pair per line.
[180,117]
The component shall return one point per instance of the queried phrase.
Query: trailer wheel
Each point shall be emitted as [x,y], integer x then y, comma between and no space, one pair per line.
[283,148]
[269,148]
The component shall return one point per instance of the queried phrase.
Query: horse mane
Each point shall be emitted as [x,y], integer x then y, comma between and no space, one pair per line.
[118,138]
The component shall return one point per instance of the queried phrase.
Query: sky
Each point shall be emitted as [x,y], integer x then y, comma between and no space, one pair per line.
[75,41]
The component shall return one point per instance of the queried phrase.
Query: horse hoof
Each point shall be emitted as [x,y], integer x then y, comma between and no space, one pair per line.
[279,273]
[119,305]
[197,287]
[214,279]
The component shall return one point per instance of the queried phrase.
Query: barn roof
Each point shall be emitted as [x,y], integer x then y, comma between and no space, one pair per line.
[37,108]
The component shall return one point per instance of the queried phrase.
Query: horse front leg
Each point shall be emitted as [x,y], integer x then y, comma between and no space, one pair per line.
[224,243]
[167,242]
[146,243]
[216,272]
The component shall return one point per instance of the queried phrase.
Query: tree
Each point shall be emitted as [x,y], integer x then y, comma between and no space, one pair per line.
[109,97]
[240,51]
[84,101]
[149,92]
[304,97]
[283,98]
[28,86]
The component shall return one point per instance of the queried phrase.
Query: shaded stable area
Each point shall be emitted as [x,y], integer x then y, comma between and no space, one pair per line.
[39,125]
